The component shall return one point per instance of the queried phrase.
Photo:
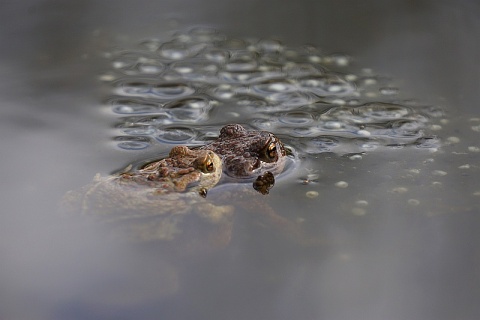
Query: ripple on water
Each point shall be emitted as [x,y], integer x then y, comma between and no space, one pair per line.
[153,89]
[137,63]
[132,142]
[379,111]
[130,106]
[165,86]
[176,135]
[246,76]
[178,50]
[138,130]
[320,145]
[326,85]
[189,109]
[196,70]
[296,118]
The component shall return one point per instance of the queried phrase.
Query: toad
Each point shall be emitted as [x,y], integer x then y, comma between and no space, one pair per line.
[247,155]
[162,200]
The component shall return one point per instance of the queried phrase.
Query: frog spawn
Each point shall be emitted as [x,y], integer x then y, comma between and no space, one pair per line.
[201,76]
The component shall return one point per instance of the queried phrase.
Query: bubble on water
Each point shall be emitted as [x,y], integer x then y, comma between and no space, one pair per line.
[176,135]
[120,64]
[245,77]
[376,111]
[359,211]
[249,101]
[196,70]
[133,88]
[341,60]
[314,59]
[189,109]
[399,190]
[232,44]
[369,146]
[326,85]
[271,87]
[107,77]
[389,91]
[262,124]
[364,133]
[369,81]
[165,91]
[136,63]
[453,140]
[427,143]
[320,145]
[341,184]
[439,173]
[356,157]
[152,120]
[132,143]
[333,125]
[464,166]
[140,131]
[241,61]
[205,34]
[476,128]
[269,45]
[177,50]
[150,44]
[312,194]
[303,132]
[413,202]
[296,118]
[217,55]
[288,100]
[132,107]
[361,203]
[301,69]
[170,91]
[148,68]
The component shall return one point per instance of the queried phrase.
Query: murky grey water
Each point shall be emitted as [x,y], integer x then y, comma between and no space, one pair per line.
[384,181]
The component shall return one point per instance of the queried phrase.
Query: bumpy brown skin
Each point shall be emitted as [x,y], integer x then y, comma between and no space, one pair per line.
[183,170]
[160,201]
[248,154]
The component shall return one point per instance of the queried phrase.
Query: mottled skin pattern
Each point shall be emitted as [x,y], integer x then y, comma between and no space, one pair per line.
[248,154]
[183,170]
[164,200]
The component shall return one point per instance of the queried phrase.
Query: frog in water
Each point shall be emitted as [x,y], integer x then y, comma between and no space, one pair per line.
[164,199]
[160,200]
[249,154]
[183,170]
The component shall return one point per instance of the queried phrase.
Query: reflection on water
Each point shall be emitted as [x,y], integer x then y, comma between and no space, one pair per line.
[386,186]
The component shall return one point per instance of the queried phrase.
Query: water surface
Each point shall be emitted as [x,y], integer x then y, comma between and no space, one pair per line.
[379,108]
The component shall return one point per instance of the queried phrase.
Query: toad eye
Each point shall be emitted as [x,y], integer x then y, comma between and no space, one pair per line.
[271,152]
[208,166]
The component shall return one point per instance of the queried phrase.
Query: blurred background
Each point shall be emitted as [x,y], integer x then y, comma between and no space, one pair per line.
[55,137]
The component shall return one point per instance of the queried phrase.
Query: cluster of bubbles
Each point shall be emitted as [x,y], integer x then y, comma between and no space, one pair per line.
[182,90]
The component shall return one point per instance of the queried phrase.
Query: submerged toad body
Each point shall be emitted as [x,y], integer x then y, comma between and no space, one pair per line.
[164,200]
[160,201]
